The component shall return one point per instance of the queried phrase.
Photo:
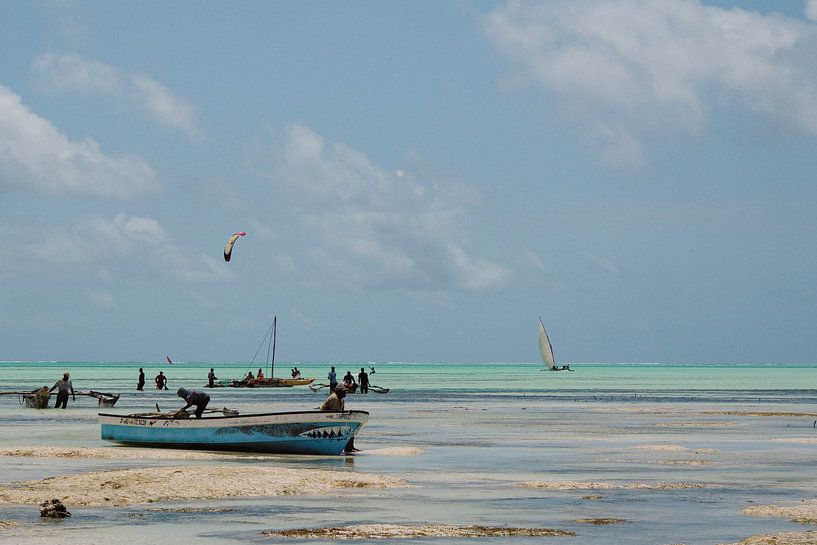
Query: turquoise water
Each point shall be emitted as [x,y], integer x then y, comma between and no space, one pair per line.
[745,430]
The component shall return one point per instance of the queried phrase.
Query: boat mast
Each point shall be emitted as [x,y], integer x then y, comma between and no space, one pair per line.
[274,331]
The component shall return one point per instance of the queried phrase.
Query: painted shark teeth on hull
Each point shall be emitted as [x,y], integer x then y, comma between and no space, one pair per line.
[328,432]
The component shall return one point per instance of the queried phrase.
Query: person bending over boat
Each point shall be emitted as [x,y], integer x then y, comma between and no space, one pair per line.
[335,403]
[192,397]
[63,387]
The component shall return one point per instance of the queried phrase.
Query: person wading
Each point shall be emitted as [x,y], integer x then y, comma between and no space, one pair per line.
[63,387]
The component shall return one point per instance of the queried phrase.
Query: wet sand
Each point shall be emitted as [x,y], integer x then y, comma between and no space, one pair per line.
[126,453]
[803,512]
[396,531]
[603,485]
[177,483]
[122,453]
[784,538]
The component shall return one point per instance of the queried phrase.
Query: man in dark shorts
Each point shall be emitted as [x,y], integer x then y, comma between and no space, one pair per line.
[363,381]
[192,397]
[63,387]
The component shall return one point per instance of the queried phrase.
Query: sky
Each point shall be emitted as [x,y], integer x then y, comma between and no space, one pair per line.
[418,180]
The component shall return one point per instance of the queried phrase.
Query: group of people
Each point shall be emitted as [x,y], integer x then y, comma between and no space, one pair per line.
[349,381]
[160,380]
[250,377]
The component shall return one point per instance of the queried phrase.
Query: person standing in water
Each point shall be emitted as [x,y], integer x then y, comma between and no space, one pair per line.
[363,381]
[63,387]
[333,380]
[211,378]
[141,384]
[161,381]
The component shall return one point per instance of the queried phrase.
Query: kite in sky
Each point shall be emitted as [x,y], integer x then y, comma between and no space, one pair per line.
[228,248]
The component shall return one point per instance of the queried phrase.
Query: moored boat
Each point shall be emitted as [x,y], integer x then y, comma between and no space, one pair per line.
[300,432]
[271,381]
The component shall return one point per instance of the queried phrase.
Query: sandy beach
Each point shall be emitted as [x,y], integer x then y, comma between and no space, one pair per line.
[181,483]
[783,538]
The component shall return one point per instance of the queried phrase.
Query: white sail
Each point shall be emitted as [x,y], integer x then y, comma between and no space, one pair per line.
[545,349]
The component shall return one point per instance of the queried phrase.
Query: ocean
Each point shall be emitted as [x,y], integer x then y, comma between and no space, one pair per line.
[615,453]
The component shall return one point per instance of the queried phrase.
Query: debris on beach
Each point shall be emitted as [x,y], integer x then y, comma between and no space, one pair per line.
[784,538]
[54,509]
[397,531]
[4,524]
[183,483]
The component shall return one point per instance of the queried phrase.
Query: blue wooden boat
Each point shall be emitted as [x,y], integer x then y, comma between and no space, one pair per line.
[302,432]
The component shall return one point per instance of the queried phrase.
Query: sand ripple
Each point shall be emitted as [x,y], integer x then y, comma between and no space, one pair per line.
[395,451]
[661,448]
[394,531]
[785,538]
[801,440]
[605,485]
[161,484]
[804,512]
[601,521]
[120,453]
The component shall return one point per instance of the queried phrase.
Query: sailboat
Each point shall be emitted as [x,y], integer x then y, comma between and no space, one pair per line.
[546,350]
[270,381]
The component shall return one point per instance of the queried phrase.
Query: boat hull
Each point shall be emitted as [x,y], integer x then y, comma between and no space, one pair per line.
[271,383]
[306,432]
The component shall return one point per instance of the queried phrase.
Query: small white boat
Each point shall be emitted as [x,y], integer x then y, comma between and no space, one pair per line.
[546,350]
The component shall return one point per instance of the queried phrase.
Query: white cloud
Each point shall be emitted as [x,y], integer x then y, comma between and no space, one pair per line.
[811,10]
[167,108]
[376,227]
[74,73]
[535,260]
[635,67]
[101,298]
[120,241]
[71,72]
[35,155]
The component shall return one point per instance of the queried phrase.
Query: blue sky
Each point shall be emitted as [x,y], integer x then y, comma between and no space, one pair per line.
[418,180]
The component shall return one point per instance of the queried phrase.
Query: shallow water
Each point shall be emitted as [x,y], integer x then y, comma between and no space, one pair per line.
[484,429]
